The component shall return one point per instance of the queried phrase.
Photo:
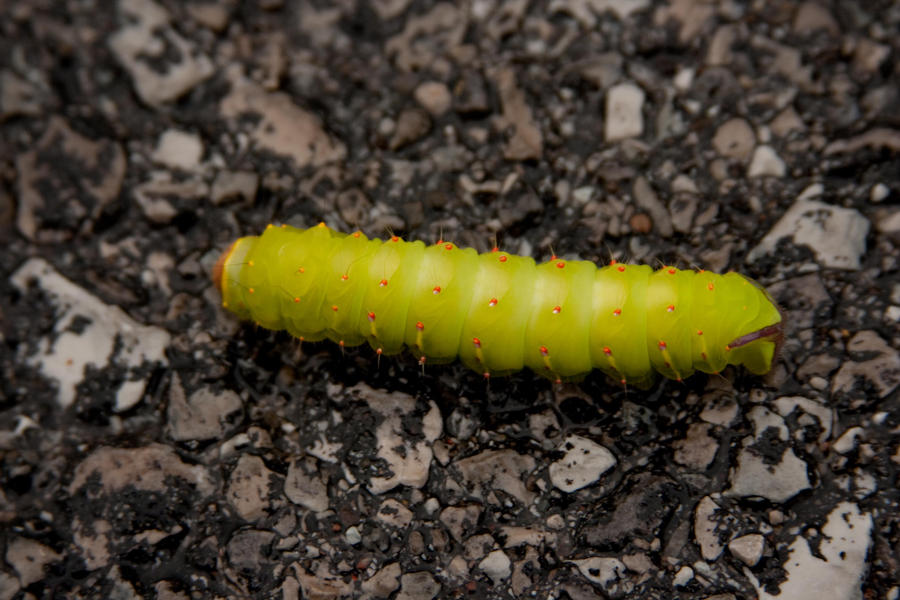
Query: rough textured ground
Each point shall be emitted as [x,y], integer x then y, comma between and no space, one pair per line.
[151,446]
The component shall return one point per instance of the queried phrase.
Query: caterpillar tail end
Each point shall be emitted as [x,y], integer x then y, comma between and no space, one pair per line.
[768,341]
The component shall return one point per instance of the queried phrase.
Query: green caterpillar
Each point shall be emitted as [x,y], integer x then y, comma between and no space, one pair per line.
[498,312]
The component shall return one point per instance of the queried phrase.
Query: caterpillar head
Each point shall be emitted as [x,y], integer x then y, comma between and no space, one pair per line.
[219,267]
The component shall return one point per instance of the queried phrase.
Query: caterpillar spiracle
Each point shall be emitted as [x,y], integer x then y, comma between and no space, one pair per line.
[498,312]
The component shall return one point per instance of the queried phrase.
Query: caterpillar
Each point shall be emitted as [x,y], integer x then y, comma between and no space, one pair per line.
[496,311]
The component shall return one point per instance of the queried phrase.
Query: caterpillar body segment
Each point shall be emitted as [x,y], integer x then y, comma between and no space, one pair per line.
[498,312]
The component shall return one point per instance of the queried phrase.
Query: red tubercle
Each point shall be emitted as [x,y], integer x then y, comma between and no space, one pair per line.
[436,290]
[383,283]
[503,258]
[556,310]
[371,316]
[561,265]
[544,351]
[492,302]
[662,345]
[617,312]
[621,268]
[420,326]
[476,342]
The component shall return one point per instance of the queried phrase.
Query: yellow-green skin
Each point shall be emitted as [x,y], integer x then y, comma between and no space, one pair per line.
[498,312]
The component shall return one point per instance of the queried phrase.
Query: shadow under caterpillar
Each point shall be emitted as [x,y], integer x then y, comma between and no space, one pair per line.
[498,312]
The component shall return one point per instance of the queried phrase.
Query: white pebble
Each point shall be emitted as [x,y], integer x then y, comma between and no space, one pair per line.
[624,118]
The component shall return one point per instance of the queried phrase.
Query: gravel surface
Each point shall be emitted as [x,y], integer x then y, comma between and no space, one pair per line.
[151,446]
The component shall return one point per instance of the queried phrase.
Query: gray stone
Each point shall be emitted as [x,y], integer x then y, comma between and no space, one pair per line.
[757,475]
[824,415]
[9,586]
[698,449]
[110,337]
[601,570]
[748,548]
[159,75]
[683,576]
[383,583]
[241,185]
[20,96]
[526,141]
[86,191]
[204,416]
[646,198]
[812,16]
[879,137]
[304,486]
[461,520]
[247,550]
[735,139]
[155,197]
[766,163]
[420,585]
[29,558]
[178,149]
[249,488]
[393,513]
[624,112]
[502,470]
[279,125]
[321,583]
[476,546]
[496,565]
[706,529]
[835,234]
[584,463]
[434,97]
[879,363]
[408,459]
[835,568]
[412,124]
